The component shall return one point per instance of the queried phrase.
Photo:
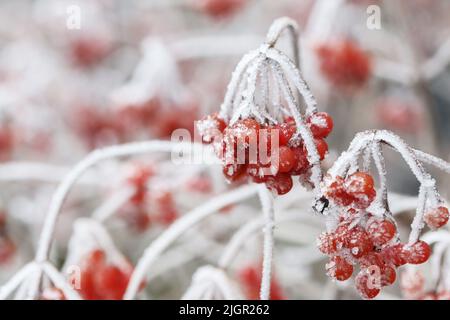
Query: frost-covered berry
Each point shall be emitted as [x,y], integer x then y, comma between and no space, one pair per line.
[358,242]
[366,285]
[437,217]
[210,127]
[280,184]
[321,124]
[380,231]
[360,186]
[335,190]
[339,269]
[326,242]
[418,253]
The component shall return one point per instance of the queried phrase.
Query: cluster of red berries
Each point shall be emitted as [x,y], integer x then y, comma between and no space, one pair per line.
[344,64]
[246,148]
[136,212]
[363,239]
[250,279]
[102,280]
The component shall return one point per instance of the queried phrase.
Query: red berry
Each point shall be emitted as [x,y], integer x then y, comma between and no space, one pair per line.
[322,148]
[437,217]
[366,285]
[326,243]
[258,173]
[286,160]
[111,282]
[281,183]
[372,259]
[339,268]
[220,8]
[301,163]
[233,171]
[395,255]
[358,242]
[388,276]
[418,253]
[250,277]
[335,191]
[380,231]
[285,132]
[321,124]
[211,127]
[360,186]
[344,64]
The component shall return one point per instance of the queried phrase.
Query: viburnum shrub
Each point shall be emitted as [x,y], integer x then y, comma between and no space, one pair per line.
[268,135]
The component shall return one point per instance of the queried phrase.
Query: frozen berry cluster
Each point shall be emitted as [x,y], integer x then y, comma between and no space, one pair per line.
[248,151]
[344,64]
[101,279]
[367,241]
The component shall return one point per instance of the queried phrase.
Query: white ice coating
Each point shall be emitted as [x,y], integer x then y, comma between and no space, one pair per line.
[210,283]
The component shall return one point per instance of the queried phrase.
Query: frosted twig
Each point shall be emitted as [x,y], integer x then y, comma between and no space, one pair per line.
[275,30]
[417,224]
[269,225]
[178,228]
[234,82]
[16,280]
[305,133]
[59,281]
[294,74]
[378,158]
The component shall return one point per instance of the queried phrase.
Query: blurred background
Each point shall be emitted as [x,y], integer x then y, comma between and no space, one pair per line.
[79,75]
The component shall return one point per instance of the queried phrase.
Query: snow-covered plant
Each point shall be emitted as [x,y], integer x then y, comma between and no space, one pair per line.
[269,136]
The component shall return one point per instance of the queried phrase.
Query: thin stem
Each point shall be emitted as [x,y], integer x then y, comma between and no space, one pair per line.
[178,228]
[268,210]
[16,280]
[277,27]
[378,158]
[294,74]
[234,83]
[305,133]
[59,281]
